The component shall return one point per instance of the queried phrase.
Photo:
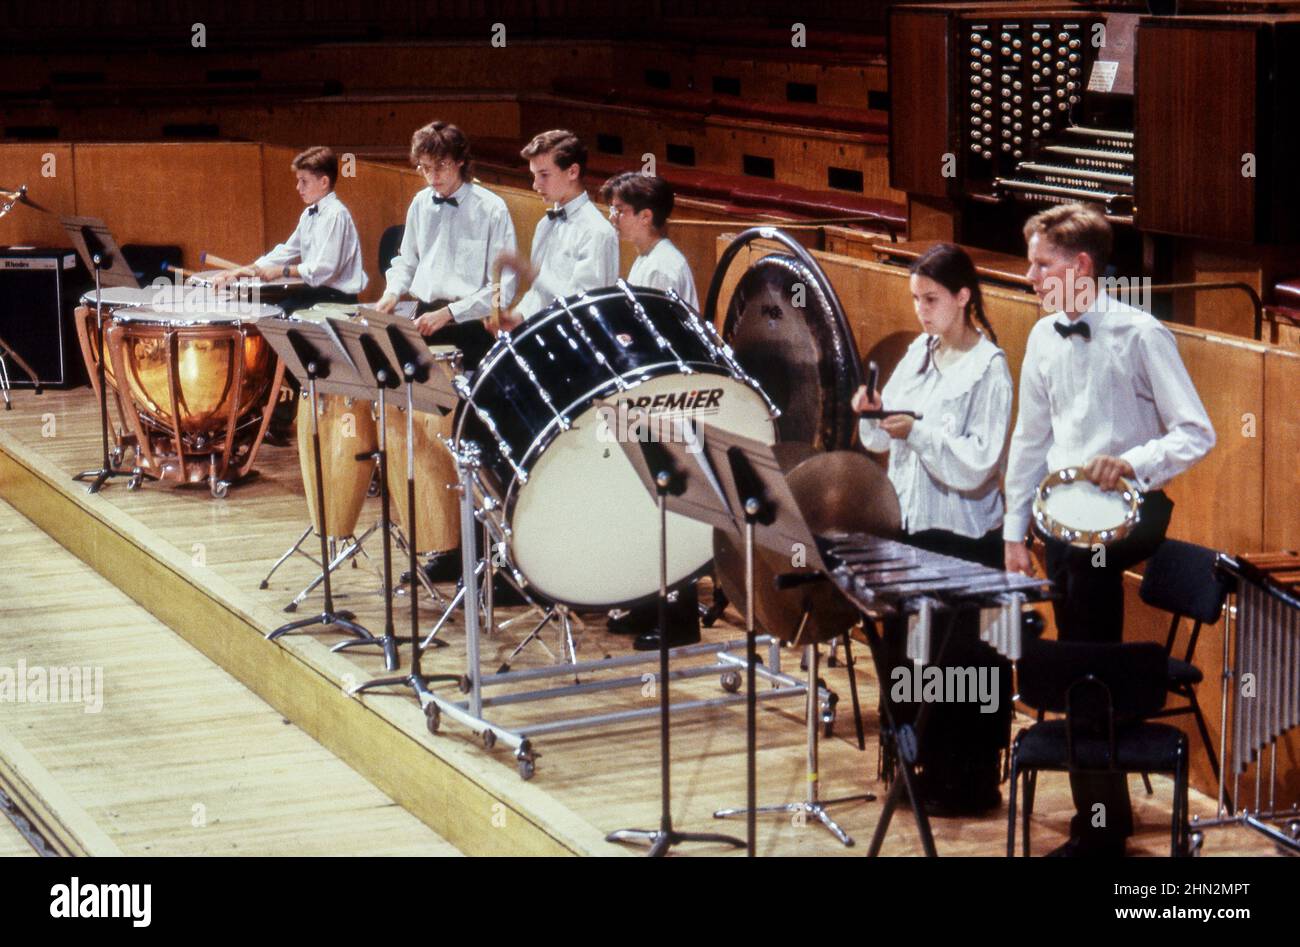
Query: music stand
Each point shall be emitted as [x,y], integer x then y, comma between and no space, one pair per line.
[756,487]
[667,470]
[401,345]
[100,254]
[312,351]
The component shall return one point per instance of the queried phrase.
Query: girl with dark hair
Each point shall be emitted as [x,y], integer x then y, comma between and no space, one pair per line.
[946,466]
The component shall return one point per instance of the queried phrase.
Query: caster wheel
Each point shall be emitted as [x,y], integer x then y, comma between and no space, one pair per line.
[1194,844]
[464,685]
[1293,828]
[527,769]
[489,738]
[115,458]
[133,483]
[730,681]
[220,489]
[432,718]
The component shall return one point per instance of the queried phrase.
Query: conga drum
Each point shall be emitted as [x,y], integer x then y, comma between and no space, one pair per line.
[347,428]
[196,387]
[437,505]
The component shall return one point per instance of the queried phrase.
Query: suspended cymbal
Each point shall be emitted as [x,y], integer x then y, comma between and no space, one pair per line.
[837,492]
[845,492]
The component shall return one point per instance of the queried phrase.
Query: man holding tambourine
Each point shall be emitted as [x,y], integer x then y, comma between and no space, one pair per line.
[1102,390]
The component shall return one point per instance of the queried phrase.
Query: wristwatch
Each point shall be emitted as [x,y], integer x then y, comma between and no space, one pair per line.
[285,271]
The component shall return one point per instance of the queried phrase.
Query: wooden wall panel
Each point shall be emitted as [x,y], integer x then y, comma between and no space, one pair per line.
[1229,378]
[56,191]
[1279,428]
[919,101]
[199,196]
[1185,147]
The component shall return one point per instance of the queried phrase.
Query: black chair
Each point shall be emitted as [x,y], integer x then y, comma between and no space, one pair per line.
[1105,691]
[1180,579]
[390,244]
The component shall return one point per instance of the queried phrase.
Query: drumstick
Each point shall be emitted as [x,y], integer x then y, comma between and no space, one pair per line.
[873,376]
[216,262]
[890,412]
[181,275]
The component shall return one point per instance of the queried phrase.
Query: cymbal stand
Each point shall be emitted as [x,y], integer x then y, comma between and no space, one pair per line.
[106,470]
[811,806]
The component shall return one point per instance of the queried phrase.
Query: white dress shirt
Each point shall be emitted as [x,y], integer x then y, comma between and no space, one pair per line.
[325,246]
[1124,393]
[447,251]
[571,255]
[665,268]
[946,472]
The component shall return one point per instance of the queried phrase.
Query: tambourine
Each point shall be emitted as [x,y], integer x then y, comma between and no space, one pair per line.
[1073,509]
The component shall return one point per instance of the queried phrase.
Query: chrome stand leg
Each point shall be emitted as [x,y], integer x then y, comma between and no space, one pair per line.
[813,806]
[296,547]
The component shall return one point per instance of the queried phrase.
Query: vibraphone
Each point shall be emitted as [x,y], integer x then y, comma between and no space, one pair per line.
[886,578]
[1264,680]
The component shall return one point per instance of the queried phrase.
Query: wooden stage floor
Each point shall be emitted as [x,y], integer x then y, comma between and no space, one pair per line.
[587,782]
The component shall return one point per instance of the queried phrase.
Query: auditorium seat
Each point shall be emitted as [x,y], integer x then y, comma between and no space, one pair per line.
[1286,293]
[803,202]
[737,194]
[837,117]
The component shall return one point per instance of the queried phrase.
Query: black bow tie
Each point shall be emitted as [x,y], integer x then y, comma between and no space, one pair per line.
[313,210]
[445,200]
[1075,328]
[557,214]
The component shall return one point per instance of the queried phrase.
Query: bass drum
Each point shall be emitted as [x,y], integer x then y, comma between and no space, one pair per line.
[580,526]
[791,336]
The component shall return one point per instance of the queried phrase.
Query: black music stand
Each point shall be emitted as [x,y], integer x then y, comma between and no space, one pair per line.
[666,472]
[430,391]
[756,486]
[100,254]
[312,351]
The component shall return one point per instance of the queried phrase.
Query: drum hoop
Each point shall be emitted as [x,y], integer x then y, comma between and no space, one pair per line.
[531,325]
[156,318]
[1052,528]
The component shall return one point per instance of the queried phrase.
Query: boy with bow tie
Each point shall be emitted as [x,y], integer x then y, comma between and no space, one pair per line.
[455,229]
[1102,387]
[574,247]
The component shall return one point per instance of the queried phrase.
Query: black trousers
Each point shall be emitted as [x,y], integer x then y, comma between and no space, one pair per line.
[1091,608]
[960,752]
[286,405]
[472,338]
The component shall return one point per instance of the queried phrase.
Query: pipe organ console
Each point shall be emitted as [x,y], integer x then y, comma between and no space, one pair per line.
[1176,125]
